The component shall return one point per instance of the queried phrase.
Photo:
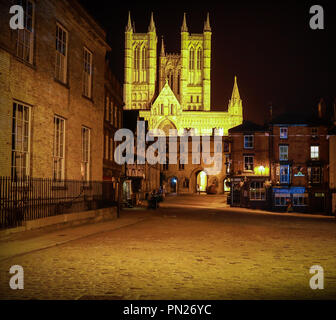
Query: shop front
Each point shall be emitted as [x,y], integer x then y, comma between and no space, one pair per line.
[290,199]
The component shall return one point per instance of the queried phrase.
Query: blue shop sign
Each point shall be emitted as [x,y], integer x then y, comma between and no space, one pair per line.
[289,190]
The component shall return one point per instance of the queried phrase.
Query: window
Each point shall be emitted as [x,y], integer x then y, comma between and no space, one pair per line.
[280,199]
[283,153]
[192,59]
[107,112]
[257,191]
[111,149]
[314,152]
[199,59]
[85,167]
[59,148]
[136,65]
[283,132]
[248,141]
[315,174]
[144,64]
[106,146]
[25,36]
[61,54]
[300,199]
[20,141]
[314,132]
[284,174]
[87,74]
[248,163]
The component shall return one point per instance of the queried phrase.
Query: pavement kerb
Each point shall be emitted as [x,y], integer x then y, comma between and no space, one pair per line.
[251,211]
[95,229]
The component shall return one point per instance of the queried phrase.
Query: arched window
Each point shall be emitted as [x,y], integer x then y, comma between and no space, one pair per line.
[192,59]
[171,81]
[137,58]
[199,59]
[178,84]
[144,59]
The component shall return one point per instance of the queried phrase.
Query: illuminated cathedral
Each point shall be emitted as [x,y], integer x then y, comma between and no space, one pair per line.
[173,92]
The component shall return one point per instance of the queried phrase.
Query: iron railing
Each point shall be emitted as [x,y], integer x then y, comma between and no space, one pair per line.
[34,198]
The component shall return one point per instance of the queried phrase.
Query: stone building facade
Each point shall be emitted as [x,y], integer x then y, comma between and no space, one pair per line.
[172,92]
[183,98]
[52,92]
[113,121]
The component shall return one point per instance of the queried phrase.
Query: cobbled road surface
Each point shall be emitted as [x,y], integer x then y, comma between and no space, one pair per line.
[186,253]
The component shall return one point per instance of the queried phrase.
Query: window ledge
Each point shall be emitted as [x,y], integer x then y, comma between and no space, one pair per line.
[88,98]
[66,85]
[28,64]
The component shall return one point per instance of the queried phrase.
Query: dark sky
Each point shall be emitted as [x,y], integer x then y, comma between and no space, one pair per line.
[269,45]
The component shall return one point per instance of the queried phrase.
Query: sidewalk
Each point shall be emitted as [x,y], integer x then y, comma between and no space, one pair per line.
[29,241]
[217,202]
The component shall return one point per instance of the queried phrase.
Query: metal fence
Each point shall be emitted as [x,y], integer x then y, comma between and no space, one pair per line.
[34,198]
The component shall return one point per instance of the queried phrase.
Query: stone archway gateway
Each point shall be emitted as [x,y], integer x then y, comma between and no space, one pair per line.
[201,181]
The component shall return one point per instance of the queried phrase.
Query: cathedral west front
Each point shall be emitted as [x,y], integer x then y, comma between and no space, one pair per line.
[172,91]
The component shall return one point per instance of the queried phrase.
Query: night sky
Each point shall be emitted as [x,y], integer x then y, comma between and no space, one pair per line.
[269,45]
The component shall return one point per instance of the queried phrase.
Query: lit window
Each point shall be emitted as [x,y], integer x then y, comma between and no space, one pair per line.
[281,199]
[314,152]
[283,152]
[248,141]
[59,148]
[20,141]
[25,36]
[85,153]
[61,54]
[248,163]
[87,73]
[300,199]
[283,132]
[257,191]
[284,174]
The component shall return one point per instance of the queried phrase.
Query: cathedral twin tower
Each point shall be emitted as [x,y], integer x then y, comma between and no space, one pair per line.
[183,96]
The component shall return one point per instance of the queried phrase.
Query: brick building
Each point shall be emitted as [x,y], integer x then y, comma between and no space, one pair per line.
[52,89]
[300,159]
[250,165]
[284,162]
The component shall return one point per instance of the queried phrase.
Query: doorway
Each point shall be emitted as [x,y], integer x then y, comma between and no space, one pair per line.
[202,181]
[173,185]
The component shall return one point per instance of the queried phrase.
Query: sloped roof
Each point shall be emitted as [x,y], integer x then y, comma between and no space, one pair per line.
[248,126]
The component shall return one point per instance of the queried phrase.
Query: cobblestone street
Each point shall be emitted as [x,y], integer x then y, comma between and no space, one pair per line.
[176,252]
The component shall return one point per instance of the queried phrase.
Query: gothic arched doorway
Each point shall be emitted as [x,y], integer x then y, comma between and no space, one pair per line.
[167,125]
[201,181]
